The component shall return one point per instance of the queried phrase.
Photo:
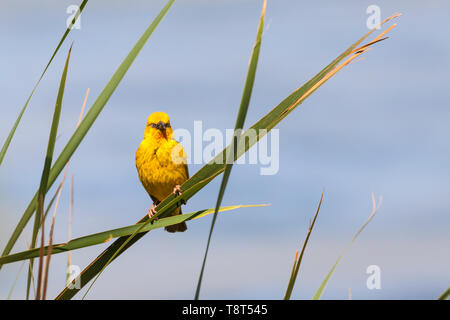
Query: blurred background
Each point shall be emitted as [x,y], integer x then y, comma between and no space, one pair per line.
[380,125]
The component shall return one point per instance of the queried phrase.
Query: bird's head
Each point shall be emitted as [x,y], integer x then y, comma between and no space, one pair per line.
[158,126]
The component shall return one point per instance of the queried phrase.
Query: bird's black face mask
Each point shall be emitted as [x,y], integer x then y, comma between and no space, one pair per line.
[161,126]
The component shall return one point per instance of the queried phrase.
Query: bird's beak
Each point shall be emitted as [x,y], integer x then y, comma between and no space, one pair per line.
[161,126]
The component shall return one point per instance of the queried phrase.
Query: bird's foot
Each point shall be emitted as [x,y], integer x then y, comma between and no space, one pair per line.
[177,192]
[152,211]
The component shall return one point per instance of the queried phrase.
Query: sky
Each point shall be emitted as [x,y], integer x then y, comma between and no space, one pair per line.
[379,126]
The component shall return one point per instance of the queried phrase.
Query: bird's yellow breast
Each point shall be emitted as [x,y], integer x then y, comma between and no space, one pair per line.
[161,165]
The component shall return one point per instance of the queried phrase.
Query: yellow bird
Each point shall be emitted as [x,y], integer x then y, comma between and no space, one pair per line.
[161,164]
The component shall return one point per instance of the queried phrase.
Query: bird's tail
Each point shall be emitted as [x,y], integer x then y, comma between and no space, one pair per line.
[179,227]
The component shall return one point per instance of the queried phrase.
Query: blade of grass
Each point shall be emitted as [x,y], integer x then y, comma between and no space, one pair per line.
[45,174]
[122,244]
[69,237]
[16,124]
[86,124]
[105,236]
[15,281]
[69,254]
[215,167]
[292,276]
[20,256]
[445,294]
[242,113]
[49,254]
[41,254]
[50,238]
[119,250]
[29,269]
[50,204]
[324,283]
[57,192]
[298,261]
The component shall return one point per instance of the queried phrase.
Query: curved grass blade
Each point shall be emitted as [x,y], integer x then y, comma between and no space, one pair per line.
[16,124]
[105,236]
[298,259]
[216,166]
[39,217]
[445,294]
[324,283]
[86,124]
[242,113]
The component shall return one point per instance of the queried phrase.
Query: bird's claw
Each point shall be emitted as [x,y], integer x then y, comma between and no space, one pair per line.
[177,192]
[152,211]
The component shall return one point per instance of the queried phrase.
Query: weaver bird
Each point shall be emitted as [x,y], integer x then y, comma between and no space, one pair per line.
[161,164]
